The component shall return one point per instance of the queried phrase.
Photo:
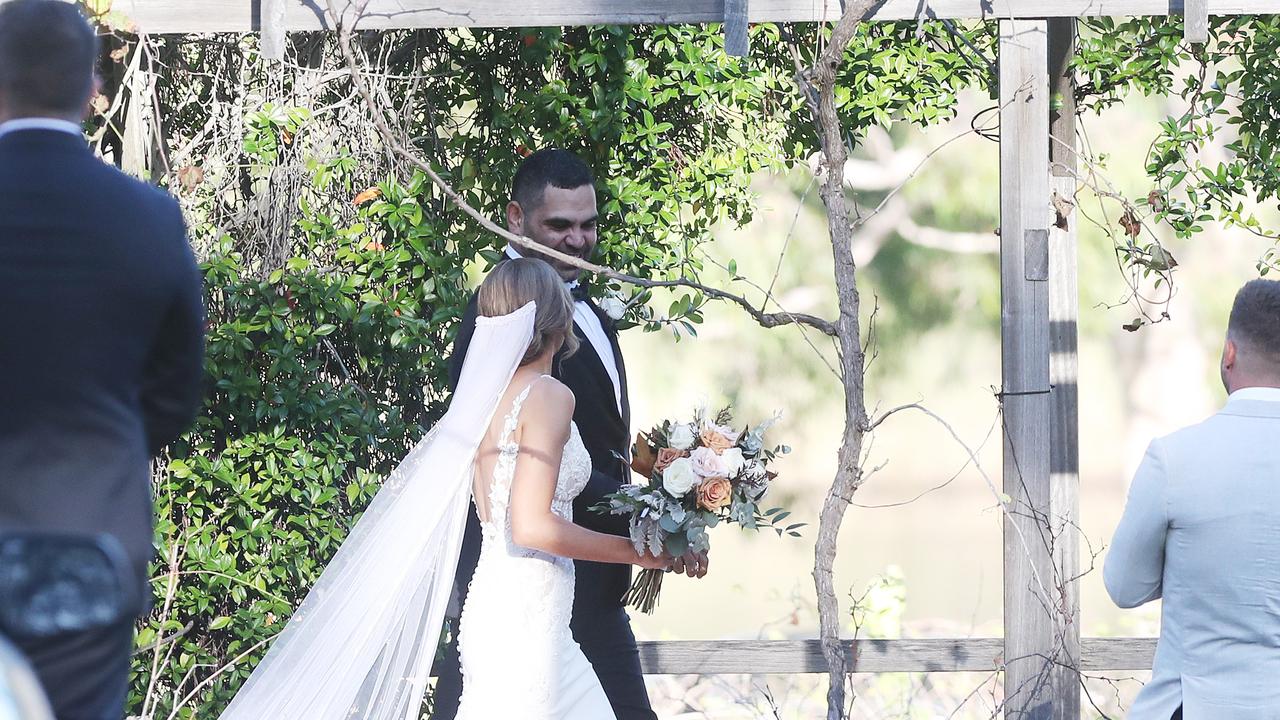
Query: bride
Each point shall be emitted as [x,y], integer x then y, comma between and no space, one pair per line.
[362,643]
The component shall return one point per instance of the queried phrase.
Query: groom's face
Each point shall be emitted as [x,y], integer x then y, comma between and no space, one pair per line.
[565,220]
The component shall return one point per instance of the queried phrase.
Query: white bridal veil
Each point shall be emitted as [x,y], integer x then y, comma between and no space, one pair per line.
[362,643]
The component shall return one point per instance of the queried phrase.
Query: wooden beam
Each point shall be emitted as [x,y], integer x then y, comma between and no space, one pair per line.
[197,16]
[787,657]
[1031,586]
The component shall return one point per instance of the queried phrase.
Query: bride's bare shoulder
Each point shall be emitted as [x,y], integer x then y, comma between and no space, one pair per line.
[551,400]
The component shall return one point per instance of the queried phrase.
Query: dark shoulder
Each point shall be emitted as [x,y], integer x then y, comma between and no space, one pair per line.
[145,205]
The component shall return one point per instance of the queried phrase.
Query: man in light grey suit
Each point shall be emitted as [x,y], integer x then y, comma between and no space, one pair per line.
[1201,529]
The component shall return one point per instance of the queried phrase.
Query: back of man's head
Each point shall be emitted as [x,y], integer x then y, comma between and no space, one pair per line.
[548,167]
[1255,327]
[48,52]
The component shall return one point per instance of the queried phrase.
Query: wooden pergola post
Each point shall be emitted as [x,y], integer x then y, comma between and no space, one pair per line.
[1030,645]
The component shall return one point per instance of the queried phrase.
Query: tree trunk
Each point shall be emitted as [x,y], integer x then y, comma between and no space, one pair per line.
[852,362]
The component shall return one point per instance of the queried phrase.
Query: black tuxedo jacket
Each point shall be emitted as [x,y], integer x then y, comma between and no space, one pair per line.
[101,342]
[605,432]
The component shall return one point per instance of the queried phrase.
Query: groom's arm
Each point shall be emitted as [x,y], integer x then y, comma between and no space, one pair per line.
[172,384]
[1134,570]
[600,485]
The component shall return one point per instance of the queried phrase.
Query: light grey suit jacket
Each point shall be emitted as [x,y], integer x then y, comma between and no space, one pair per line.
[1201,529]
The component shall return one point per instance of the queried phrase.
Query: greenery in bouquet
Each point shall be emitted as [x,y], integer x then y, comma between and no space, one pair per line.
[696,475]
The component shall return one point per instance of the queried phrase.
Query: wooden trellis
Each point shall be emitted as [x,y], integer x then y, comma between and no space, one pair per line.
[1039,305]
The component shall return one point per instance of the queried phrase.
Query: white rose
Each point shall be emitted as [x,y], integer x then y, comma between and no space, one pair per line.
[733,461]
[679,477]
[681,437]
[613,307]
[708,464]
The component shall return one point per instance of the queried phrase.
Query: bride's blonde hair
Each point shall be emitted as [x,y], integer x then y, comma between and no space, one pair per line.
[519,281]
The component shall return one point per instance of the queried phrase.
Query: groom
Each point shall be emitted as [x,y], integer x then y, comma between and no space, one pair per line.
[553,202]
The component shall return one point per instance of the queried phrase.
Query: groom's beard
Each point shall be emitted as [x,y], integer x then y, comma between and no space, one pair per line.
[568,273]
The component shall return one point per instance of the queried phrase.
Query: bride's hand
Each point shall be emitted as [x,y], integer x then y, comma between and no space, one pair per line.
[693,564]
[654,562]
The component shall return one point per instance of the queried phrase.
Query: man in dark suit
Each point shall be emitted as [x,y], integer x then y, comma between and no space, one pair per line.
[101,340]
[553,202]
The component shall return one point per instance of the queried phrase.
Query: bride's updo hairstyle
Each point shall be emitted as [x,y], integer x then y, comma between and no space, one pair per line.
[519,281]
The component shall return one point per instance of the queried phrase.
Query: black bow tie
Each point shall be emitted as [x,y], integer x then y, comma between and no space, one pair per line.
[579,293]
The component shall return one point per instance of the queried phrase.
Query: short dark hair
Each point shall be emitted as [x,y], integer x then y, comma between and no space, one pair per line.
[549,166]
[48,52]
[1255,318]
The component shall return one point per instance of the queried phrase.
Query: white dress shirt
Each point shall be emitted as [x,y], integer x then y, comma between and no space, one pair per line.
[40,124]
[1256,393]
[589,323]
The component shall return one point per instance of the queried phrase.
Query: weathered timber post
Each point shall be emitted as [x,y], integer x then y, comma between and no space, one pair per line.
[1029,594]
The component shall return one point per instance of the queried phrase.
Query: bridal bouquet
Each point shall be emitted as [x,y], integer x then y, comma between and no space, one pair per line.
[699,474]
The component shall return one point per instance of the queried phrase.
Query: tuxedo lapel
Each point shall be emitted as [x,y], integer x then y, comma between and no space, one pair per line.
[611,332]
[594,364]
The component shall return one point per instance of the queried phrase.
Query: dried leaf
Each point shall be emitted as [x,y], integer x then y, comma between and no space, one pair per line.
[190,177]
[1130,223]
[372,193]
[1063,208]
[644,457]
[119,54]
[374,245]
[1155,200]
[1133,326]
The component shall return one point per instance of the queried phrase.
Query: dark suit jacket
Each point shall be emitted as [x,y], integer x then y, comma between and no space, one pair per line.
[101,342]
[605,431]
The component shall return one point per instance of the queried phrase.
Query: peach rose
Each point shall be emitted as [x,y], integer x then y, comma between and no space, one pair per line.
[714,493]
[716,440]
[666,456]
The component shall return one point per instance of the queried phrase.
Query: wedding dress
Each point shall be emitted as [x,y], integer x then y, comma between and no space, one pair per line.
[519,659]
[362,643]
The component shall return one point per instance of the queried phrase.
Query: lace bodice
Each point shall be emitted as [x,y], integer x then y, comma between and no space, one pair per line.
[575,471]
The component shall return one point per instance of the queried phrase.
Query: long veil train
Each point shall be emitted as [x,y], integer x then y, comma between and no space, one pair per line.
[362,643]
